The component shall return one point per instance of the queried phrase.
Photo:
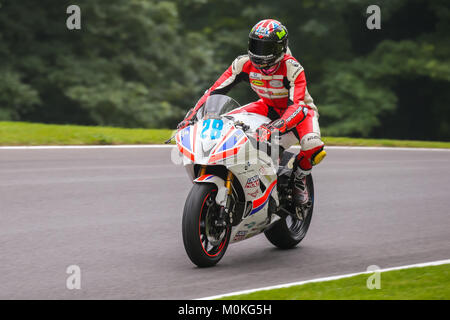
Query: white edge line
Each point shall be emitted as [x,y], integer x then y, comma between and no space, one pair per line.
[122,146]
[161,146]
[286,285]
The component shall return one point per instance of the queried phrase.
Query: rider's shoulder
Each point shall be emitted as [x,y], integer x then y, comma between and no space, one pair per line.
[293,67]
[239,62]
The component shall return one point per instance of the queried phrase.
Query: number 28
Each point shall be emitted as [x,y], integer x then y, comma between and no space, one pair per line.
[215,128]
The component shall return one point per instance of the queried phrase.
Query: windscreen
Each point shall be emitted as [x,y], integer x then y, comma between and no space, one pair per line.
[217,105]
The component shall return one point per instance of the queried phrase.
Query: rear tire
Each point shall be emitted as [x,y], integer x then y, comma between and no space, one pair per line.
[287,232]
[205,244]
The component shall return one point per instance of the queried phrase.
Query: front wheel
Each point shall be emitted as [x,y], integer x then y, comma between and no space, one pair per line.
[287,232]
[205,235]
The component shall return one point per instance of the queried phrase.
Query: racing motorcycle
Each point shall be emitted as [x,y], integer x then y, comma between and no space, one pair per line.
[241,187]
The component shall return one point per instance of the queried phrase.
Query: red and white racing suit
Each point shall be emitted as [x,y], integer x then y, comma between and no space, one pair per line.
[283,95]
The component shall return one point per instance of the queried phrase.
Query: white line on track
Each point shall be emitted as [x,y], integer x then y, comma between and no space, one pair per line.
[124,146]
[162,146]
[286,285]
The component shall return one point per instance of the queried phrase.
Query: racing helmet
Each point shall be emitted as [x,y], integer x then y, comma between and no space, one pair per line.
[267,44]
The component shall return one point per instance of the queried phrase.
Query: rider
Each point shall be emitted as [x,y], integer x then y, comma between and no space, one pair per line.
[279,80]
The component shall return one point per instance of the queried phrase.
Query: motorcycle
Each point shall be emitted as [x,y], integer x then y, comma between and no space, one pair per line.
[241,187]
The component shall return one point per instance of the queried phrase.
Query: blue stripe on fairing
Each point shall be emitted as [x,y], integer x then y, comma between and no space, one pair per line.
[259,208]
[186,138]
[232,140]
[262,204]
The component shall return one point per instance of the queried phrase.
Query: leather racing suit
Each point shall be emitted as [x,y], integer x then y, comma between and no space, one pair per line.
[283,95]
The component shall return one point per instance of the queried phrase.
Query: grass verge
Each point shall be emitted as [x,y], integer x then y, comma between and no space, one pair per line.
[30,134]
[423,283]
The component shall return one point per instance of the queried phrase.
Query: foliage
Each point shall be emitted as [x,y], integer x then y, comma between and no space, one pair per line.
[144,63]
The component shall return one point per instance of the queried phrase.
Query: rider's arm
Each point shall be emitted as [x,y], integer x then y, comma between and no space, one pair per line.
[296,112]
[232,76]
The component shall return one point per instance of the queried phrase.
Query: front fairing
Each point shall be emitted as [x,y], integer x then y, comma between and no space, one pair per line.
[213,142]
[210,141]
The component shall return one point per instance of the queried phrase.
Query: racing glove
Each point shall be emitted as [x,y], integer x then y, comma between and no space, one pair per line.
[264,132]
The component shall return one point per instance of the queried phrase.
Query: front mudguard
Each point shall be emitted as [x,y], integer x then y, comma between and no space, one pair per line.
[222,191]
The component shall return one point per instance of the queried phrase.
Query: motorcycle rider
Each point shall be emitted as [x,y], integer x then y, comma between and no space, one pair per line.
[279,80]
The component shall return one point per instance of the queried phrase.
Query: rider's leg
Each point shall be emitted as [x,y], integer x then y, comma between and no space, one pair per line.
[258,107]
[311,153]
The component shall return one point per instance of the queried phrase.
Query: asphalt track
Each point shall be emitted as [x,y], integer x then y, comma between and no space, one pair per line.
[116,213]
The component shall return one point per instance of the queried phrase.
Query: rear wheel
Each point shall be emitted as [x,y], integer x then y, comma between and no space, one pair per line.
[287,232]
[205,233]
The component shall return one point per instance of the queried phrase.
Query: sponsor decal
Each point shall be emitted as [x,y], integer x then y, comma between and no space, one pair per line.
[313,138]
[252,182]
[296,112]
[294,63]
[240,235]
[276,83]
[278,94]
[297,66]
[296,73]
[258,83]
[250,225]
[255,75]
[281,34]
[253,194]
[271,93]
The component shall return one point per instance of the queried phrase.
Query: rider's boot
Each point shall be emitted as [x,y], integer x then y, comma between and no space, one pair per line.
[301,194]
[306,160]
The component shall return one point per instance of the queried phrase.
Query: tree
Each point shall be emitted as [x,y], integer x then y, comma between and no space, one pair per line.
[146,62]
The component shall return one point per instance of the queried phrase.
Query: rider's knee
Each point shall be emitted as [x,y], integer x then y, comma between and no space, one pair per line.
[311,141]
[312,152]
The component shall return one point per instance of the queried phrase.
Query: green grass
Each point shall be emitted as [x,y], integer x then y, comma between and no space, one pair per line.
[343,141]
[22,133]
[425,283]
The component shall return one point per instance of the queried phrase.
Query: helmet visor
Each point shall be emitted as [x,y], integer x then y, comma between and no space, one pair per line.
[262,48]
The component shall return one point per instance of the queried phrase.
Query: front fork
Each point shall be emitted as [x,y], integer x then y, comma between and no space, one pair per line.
[224,209]
[229,186]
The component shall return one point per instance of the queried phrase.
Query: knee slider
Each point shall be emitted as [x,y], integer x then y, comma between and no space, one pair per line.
[318,157]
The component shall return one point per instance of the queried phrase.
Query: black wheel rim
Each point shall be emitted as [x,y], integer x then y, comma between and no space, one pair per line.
[212,238]
[296,226]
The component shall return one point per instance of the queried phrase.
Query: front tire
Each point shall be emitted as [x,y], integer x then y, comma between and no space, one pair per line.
[205,243]
[287,232]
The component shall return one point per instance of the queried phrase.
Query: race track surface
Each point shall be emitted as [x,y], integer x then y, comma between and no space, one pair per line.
[116,213]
